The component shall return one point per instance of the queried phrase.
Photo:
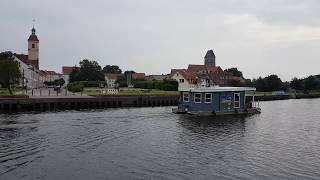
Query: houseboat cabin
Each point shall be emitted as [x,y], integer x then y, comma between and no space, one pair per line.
[217,100]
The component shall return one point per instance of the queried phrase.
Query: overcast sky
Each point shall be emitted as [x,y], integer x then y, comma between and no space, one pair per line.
[260,37]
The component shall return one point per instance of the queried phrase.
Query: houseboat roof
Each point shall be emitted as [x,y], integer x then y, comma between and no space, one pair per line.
[219,89]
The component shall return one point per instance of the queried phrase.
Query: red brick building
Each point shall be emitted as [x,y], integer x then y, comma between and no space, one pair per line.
[197,74]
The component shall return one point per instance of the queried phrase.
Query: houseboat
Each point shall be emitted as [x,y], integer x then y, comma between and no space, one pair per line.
[217,101]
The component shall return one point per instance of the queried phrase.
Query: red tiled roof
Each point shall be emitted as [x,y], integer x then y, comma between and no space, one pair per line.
[196,68]
[187,74]
[23,58]
[66,70]
[138,76]
[113,76]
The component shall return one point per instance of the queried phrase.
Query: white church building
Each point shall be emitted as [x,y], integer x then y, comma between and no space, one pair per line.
[32,76]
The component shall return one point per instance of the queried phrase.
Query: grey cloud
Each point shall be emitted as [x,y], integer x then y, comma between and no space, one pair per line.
[154,36]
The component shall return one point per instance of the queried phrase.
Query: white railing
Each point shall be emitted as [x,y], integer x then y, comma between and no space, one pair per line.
[256,104]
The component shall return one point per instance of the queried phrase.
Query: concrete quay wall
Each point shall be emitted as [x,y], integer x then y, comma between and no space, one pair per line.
[43,104]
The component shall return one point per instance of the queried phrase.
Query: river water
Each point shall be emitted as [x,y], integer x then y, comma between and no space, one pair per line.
[283,142]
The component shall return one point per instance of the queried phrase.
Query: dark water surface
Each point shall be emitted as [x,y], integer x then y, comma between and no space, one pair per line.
[152,143]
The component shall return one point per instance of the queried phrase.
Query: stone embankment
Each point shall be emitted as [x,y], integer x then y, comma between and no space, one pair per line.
[43,104]
[8,105]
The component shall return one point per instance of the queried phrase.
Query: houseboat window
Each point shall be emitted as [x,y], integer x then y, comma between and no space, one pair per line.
[236,100]
[181,80]
[185,97]
[208,98]
[197,97]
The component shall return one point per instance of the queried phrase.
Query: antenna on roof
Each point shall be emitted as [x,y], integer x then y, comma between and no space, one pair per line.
[33,22]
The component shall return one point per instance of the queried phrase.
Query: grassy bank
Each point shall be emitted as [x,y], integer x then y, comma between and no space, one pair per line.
[258,93]
[131,92]
[17,93]
[5,92]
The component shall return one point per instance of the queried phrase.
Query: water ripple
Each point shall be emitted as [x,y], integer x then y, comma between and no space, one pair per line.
[152,143]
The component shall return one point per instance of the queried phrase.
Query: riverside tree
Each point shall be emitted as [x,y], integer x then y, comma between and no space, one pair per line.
[311,83]
[297,84]
[112,69]
[269,83]
[9,71]
[234,71]
[88,71]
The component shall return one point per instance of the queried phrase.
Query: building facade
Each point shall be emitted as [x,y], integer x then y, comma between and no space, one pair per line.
[185,79]
[66,71]
[49,76]
[30,75]
[198,75]
[111,80]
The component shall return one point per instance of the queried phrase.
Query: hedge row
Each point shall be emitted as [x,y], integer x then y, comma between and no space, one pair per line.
[75,86]
[166,85]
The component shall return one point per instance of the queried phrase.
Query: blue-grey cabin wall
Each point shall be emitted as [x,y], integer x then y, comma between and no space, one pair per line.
[221,101]
[227,99]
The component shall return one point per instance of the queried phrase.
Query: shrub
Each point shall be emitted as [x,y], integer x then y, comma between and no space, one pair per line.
[168,85]
[75,87]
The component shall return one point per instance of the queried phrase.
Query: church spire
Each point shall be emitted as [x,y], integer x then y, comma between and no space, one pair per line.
[33,31]
[33,48]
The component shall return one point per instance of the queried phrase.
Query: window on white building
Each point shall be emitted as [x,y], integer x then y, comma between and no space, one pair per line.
[236,100]
[181,80]
[197,97]
[185,97]
[208,98]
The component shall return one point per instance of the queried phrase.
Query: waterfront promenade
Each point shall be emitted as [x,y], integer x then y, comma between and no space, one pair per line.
[47,99]
[51,93]
[42,103]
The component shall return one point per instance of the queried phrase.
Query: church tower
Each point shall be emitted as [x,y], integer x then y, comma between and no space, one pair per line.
[33,49]
[210,58]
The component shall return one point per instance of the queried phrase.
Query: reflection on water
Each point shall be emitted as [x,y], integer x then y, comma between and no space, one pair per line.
[215,125]
[152,143]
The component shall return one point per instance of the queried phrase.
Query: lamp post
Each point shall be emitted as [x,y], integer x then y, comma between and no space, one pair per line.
[26,86]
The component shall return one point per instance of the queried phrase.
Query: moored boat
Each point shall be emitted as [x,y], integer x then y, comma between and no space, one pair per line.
[217,101]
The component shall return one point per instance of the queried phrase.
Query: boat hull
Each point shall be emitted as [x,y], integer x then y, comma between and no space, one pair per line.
[206,113]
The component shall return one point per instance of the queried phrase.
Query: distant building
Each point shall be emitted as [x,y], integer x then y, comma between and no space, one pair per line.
[186,79]
[31,76]
[158,77]
[210,58]
[66,71]
[33,49]
[208,74]
[111,80]
[48,76]
[29,64]
[32,58]
[138,76]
